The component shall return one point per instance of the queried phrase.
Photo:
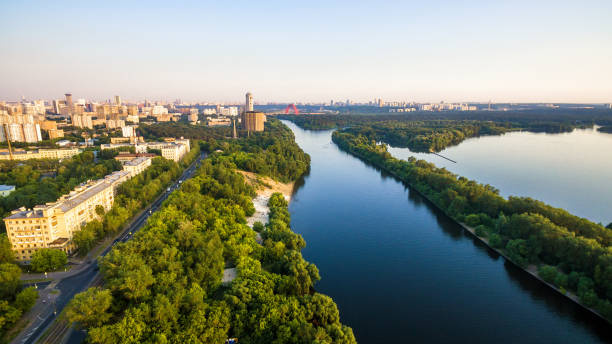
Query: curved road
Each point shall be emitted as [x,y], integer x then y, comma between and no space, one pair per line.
[70,286]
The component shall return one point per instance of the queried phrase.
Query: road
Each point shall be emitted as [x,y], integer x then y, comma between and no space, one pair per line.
[70,286]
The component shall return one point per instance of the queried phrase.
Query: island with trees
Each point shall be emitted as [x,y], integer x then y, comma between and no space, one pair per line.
[572,254]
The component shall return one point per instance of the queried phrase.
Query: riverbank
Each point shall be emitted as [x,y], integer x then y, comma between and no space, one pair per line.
[379,158]
[264,187]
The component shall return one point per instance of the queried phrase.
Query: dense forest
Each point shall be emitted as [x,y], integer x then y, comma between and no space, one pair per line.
[434,131]
[131,197]
[271,153]
[33,187]
[179,129]
[165,284]
[572,253]
[541,120]
[14,299]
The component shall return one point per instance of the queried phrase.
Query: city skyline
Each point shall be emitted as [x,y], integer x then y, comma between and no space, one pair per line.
[287,52]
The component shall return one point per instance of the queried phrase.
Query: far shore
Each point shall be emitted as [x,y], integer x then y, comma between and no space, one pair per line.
[531,269]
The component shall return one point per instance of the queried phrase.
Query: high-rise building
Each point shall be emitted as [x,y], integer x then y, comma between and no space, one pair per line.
[128,131]
[118,100]
[56,106]
[249,102]
[69,103]
[15,132]
[253,121]
[31,133]
[55,133]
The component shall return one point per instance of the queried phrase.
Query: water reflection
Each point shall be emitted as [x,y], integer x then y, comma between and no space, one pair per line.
[401,271]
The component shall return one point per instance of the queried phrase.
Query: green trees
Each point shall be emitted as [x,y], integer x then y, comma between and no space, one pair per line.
[166,282]
[272,153]
[13,301]
[47,259]
[526,230]
[6,254]
[9,280]
[131,196]
[90,308]
[33,189]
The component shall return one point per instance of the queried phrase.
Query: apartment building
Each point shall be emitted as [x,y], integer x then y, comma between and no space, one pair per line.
[137,166]
[40,154]
[173,150]
[53,225]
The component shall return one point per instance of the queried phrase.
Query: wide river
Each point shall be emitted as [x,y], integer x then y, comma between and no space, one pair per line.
[572,171]
[401,271]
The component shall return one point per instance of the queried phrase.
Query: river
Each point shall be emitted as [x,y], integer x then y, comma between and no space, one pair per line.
[401,271]
[572,170]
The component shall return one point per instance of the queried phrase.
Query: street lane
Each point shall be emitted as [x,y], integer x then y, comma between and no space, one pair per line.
[70,286]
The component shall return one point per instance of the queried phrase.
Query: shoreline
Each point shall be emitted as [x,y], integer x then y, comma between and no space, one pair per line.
[531,270]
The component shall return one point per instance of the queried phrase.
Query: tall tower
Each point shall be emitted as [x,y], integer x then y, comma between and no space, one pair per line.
[69,103]
[249,102]
[118,100]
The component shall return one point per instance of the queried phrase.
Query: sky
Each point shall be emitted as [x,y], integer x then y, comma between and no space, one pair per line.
[286,51]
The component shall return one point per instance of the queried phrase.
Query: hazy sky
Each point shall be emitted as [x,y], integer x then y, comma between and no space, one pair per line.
[557,51]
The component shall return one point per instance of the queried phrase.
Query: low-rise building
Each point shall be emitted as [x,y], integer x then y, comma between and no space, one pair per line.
[137,165]
[6,190]
[40,154]
[172,150]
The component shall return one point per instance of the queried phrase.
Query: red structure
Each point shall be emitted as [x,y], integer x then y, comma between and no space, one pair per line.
[295,109]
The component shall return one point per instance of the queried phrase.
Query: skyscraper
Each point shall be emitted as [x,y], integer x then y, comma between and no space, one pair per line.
[56,107]
[118,100]
[249,102]
[69,103]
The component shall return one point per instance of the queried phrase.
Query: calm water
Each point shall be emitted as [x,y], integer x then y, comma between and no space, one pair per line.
[402,272]
[571,171]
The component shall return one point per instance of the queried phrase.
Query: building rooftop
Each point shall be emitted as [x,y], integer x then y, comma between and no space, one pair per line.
[25,214]
[137,161]
[73,199]
[58,242]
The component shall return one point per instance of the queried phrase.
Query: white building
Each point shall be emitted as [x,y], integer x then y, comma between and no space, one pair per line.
[129,131]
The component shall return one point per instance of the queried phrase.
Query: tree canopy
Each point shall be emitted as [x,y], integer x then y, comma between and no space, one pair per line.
[526,230]
[166,284]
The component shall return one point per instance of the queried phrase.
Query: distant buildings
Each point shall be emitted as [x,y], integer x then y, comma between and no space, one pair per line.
[218,122]
[82,121]
[231,111]
[252,120]
[39,154]
[173,150]
[53,225]
[69,103]
[128,131]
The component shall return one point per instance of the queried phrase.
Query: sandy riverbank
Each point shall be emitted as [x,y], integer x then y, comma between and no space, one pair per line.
[265,187]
